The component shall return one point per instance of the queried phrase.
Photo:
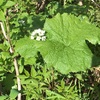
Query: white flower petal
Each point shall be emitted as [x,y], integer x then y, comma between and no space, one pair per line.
[38,30]
[38,38]
[33,33]
[41,33]
[32,37]
[43,38]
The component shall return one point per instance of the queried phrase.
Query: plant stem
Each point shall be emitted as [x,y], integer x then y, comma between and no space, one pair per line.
[3,31]
[95,3]
[18,79]
[14,60]
[64,2]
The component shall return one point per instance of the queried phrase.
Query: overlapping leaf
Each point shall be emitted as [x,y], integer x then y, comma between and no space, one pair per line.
[65,47]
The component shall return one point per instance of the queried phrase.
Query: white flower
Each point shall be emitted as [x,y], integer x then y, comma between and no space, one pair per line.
[38,34]
[43,38]
[21,21]
[38,38]
[32,37]
[41,33]
[38,30]
[33,33]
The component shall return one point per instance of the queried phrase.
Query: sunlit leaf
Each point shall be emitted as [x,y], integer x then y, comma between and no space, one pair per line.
[9,4]
[2,16]
[13,93]
[3,97]
[1,2]
[65,48]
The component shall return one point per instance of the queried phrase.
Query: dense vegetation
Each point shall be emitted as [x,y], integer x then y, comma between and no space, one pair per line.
[49,49]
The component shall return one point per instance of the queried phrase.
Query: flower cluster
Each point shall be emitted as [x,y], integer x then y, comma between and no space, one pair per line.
[21,22]
[39,35]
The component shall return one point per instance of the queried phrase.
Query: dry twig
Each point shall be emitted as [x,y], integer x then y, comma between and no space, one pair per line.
[95,3]
[14,60]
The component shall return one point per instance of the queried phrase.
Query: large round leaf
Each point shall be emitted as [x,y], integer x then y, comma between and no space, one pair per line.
[65,47]
[68,51]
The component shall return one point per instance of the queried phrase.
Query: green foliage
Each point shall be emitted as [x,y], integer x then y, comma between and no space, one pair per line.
[13,94]
[55,69]
[65,47]
[52,8]
[43,85]
[2,17]
[3,97]
[3,6]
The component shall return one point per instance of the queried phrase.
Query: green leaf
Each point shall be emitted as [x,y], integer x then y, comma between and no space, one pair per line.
[26,72]
[3,97]
[79,76]
[22,77]
[2,47]
[13,93]
[2,16]
[54,95]
[26,48]
[5,55]
[2,71]
[1,2]
[9,4]
[21,67]
[30,60]
[62,84]
[65,47]
[33,72]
